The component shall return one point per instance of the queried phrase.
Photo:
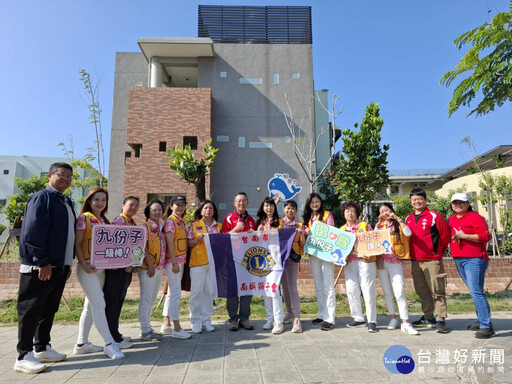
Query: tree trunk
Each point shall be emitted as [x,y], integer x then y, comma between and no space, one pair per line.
[201,189]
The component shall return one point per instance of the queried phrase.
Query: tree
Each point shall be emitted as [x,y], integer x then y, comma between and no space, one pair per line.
[15,207]
[488,63]
[96,153]
[305,140]
[361,173]
[192,170]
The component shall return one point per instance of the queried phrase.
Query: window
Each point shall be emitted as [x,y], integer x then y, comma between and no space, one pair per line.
[222,139]
[3,202]
[162,146]
[287,139]
[190,140]
[275,78]
[259,144]
[295,75]
[222,206]
[127,154]
[164,197]
[6,171]
[137,149]
[250,80]
[223,75]
[241,142]
[43,174]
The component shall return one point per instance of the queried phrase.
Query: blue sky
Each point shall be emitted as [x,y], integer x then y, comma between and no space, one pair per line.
[390,52]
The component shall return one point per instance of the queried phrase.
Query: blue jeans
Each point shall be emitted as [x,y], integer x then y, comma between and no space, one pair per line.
[472,271]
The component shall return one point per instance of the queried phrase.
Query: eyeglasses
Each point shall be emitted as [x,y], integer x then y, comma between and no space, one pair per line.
[63,175]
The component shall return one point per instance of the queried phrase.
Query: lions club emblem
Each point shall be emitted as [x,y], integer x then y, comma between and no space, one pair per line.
[258,261]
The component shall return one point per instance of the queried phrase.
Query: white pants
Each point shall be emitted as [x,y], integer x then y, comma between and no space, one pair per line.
[172,299]
[149,287]
[360,277]
[201,299]
[94,306]
[393,276]
[274,308]
[323,277]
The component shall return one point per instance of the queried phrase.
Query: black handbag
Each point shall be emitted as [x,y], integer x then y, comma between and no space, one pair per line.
[294,256]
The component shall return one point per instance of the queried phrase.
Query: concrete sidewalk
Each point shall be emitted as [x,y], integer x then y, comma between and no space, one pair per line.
[343,355]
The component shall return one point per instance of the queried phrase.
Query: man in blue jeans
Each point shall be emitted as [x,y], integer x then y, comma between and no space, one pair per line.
[46,251]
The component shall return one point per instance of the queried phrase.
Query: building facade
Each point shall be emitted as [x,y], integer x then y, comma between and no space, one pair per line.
[235,82]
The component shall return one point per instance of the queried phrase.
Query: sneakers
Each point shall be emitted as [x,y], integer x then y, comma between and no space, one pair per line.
[409,329]
[233,325]
[49,355]
[326,326]
[441,327]
[475,326]
[354,324]
[150,336]
[424,322]
[288,318]
[196,328]
[318,321]
[268,325]
[485,333]
[126,338]
[29,364]
[246,324]
[208,327]
[165,329]
[393,324]
[278,328]
[87,348]
[297,326]
[372,327]
[181,334]
[113,351]
[124,344]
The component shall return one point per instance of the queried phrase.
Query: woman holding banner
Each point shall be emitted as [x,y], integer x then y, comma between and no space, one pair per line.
[91,279]
[389,267]
[201,298]
[360,273]
[268,219]
[323,271]
[176,236]
[150,272]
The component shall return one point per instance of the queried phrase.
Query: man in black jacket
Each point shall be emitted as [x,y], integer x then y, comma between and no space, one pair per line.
[46,251]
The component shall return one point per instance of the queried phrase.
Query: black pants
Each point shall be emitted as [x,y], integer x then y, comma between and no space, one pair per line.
[38,302]
[116,285]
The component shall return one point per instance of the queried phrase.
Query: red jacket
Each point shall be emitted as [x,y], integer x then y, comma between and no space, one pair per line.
[231,220]
[471,223]
[430,236]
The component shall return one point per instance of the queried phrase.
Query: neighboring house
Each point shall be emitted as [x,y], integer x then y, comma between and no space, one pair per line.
[497,161]
[228,84]
[402,181]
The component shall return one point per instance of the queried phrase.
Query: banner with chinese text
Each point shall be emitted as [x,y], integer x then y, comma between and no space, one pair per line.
[243,264]
[329,243]
[117,246]
[373,243]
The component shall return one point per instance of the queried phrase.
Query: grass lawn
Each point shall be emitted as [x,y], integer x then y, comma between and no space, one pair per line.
[457,303]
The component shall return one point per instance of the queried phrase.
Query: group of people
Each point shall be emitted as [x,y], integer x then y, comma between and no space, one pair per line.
[51,235]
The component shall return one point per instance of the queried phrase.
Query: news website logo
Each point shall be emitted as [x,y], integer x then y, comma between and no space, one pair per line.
[398,359]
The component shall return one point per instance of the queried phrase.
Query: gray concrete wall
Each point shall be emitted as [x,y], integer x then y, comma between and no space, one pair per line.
[323,153]
[255,112]
[131,71]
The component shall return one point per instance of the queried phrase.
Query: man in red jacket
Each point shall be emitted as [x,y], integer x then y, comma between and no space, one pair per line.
[430,237]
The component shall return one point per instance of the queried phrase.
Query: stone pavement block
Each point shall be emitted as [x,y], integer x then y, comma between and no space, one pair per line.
[241,365]
[320,376]
[132,370]
[212,366]
[273,364]
[242,377]
[204,378]
[310,363]
[125,380]
[361,375]
[275,377]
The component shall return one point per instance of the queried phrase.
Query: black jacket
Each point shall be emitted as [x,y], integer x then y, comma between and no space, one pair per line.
[44,231]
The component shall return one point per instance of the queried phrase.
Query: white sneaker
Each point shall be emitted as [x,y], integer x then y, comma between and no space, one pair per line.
[127,338]
[182,334]
[113,351]
[166,330]
[408,328]
[50,355]
[208,327]
[393,324]
[269,324]
[196,328]
[278,328]
[29,364]
[87,348]
[124,344]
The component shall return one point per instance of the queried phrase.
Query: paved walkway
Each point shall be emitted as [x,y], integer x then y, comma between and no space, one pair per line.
[342,355]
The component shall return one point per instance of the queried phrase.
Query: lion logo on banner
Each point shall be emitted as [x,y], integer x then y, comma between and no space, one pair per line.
[258,261]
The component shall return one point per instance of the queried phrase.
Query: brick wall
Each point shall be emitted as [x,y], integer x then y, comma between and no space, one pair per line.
[497,277]
[163,115]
